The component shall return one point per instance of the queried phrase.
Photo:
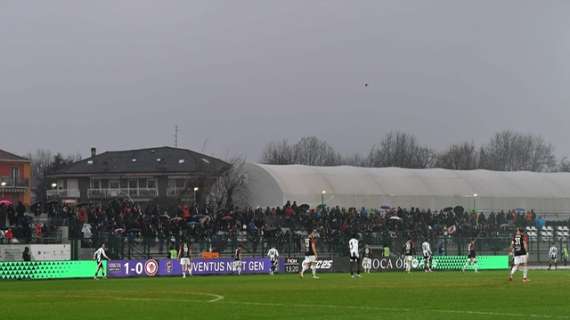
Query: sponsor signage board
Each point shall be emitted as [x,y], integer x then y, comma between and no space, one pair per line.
[39,252]
[439,263]
[199,266]
[19,270]
[293,264]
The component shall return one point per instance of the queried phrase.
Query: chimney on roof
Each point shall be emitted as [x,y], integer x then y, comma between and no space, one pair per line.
[93,152]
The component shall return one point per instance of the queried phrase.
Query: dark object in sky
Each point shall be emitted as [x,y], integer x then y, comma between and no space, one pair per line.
[366,84]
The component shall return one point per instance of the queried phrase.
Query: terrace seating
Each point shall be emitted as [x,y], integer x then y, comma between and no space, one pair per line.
[562,233]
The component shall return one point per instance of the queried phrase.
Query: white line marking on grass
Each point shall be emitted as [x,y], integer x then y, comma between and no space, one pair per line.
[329,306]
[372,308]
[504,314]
[215,298]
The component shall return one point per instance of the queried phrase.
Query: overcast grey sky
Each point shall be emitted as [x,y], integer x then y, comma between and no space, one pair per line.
[120,74]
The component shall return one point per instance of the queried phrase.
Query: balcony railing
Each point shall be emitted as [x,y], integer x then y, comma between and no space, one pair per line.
[184,193]
[63,193]
[9,182]
[131,193]
[175,192]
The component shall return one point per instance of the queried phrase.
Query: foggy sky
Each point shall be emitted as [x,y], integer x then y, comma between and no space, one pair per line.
[237,74]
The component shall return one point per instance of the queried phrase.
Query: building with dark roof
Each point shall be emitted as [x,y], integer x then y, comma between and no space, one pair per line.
[141,175]
[15,178]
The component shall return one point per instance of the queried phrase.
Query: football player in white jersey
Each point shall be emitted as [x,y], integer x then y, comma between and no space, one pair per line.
[184,256]
[354,256]
[99,255]
[366,260]
[426,250]
[553,255]
[273,255]
[310,255]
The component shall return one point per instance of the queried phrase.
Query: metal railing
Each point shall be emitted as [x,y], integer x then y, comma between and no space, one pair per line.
[112,193]
[10,182]
[173,191]
[179,192]
[136,245]
[63,193]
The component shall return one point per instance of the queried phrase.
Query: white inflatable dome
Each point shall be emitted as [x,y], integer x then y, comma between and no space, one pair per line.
[273,185]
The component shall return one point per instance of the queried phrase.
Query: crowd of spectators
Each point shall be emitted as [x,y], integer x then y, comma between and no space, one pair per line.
[16,226]
[153,223]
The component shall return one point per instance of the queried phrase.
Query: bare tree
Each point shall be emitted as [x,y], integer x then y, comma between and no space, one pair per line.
[229,187]
[309,151]
[459,157]
[44,163]
[511,151]
[563,165]
[314,152]
[41,162]
[278,153]
[355,160]
[399,149]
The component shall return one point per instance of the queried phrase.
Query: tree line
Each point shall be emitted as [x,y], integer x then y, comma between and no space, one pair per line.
[44,163]
[505,151]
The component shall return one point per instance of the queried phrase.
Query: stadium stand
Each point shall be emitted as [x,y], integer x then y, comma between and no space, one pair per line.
[133,230]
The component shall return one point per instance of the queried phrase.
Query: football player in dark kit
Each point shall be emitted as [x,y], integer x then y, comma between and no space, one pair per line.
[520,253]
[310,255]
[237,260]
[409,253]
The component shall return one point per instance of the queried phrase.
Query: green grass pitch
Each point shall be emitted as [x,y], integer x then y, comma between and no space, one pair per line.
[445,295]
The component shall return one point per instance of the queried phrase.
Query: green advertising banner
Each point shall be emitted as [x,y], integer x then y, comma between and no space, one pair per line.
[457,262]
[32,270]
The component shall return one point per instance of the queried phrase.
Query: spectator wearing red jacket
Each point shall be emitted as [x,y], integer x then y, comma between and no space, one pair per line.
[9,235]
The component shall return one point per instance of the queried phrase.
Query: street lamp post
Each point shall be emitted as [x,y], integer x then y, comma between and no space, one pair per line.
[54,187]
[323,198]
[3,184]
[475,201]
[195,191]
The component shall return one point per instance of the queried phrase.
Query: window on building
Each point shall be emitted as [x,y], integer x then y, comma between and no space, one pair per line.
[99,183]
[180,183]
[113,184]
[151,183]
[15,175]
